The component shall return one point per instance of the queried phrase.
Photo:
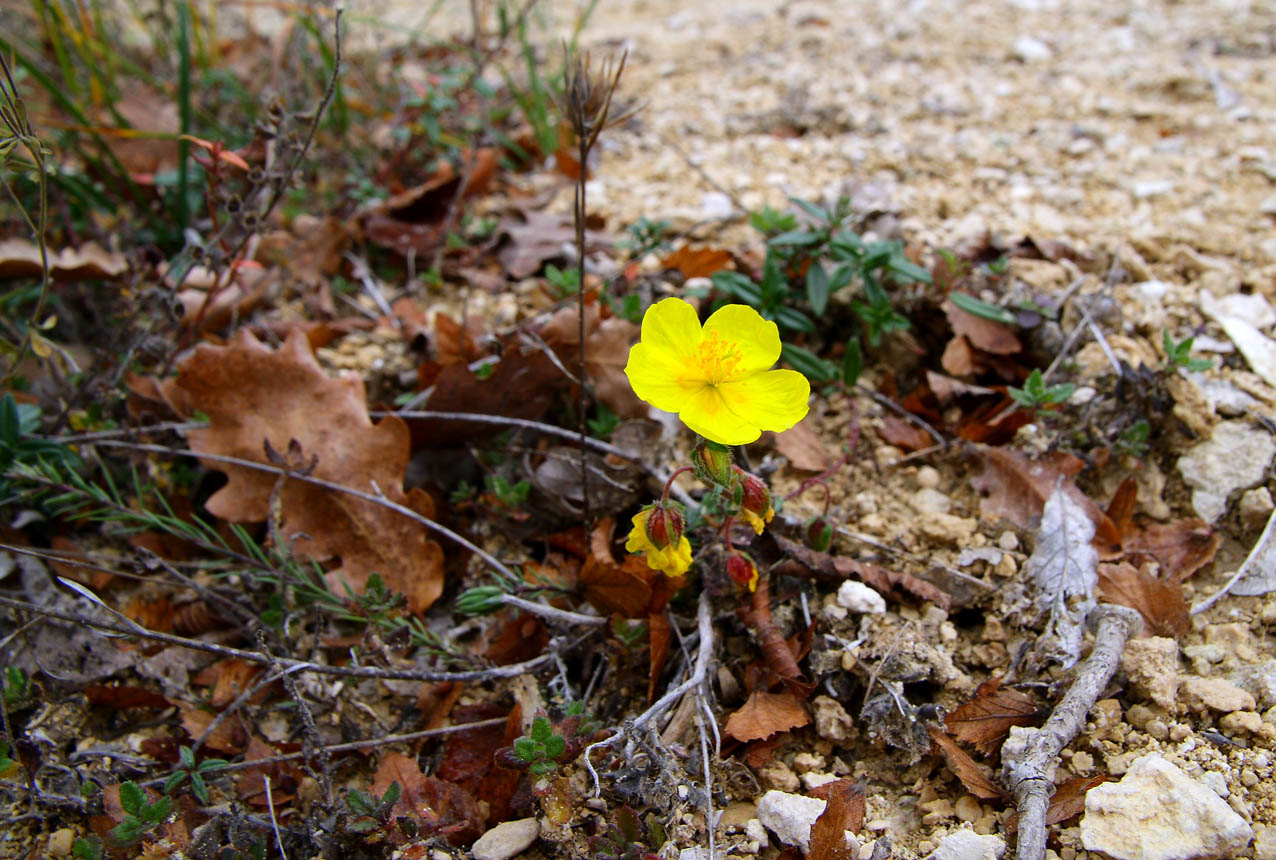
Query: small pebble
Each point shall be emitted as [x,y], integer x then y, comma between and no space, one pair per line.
[61,842]
[928,477]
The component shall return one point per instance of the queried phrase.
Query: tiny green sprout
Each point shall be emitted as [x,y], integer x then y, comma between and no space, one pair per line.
[630,633]
[480,600]
[566,282]
[17,687]
[464,492]
[540,747]
[604,424]
[646,236]
[7,764]
[141,816]
[508,495]
[189,769]
[1036,394]
[1133,441]
[772,221]
[1179,354]
[87,849]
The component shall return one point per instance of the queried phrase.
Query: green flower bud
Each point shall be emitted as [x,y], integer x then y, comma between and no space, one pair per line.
[712,463]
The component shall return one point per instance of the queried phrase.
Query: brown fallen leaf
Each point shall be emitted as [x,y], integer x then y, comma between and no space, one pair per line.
[1068,801]
[986,720]
[856,802]
[946,389]
[250,783]
[959,358]
[893,585]
[697,262]
[254,395]
[801,446]
[441,808]
[963,766]
[536,237]
[1181,547]
[765,714]
[903,434]
[988,335]
[607,343]
[845,803]
[468,758]
[20,258]
[1159,601]
[1017,488]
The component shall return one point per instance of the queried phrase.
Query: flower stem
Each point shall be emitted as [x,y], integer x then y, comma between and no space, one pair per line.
[664,497]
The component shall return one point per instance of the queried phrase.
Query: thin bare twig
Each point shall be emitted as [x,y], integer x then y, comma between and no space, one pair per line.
[704,627]
[510,671]
[1026,764]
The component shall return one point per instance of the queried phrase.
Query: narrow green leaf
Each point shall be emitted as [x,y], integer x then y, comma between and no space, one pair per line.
[852,361]
[980,308]
[793,319]
[817,287]
[808,363]
[819,213]
[796,238]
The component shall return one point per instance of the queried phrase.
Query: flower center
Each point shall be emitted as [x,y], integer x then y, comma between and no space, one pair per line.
[716,358]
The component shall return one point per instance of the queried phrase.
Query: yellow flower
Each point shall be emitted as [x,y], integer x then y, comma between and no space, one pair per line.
[756,521]
[717,378]
[673,559]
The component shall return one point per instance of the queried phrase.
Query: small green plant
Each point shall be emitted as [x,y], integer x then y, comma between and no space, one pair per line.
[541,747]
[87,849]
[141,815]
[7,762]
[18,444]
[627,837]
[565,282]
[1035,393]
[1179,354]
[807,265]
[372,813]
[604,423]
[17,688]
[507,495]
[189,769]
[646,237]
[630,633]
[1133,441]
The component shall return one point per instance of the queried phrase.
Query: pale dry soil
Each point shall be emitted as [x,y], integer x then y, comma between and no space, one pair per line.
[1143,135]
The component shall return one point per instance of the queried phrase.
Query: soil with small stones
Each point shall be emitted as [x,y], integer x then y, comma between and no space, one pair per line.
[1141,137]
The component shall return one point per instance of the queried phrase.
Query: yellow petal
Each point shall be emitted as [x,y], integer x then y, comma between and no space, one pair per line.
[638,540]
[708,414]
[756,339]
[774,400]
[659,378]
[671,329]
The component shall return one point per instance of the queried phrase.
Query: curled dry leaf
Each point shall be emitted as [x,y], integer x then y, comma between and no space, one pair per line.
[765,714]
[1064,571]
[1017,488]
[697,262]
[253,395]
[903,434]
[963,766]
[20,258]
[844,811]
[988,335]
[1181,547]
[1159,601]
[802,447]
[987,718]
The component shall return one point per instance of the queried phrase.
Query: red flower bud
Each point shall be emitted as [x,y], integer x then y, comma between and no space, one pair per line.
[819,534]
[742,571]
[755,500]
[712,463]
[665,525]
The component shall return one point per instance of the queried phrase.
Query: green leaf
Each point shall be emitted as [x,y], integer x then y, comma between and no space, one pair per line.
[173,781]
[841,277]
[808,363]
[132,798]
[819,213]
[817,287]
[541,729]
[555,746]
[128,831]
[980,308]
[187,757]
[392,794]
[793,319]
[738,285]
[540,768]
[359,802]
[796,238]
[10,425]
[159,810]
[199,787]
[852,361]
[525,748]
[904,269]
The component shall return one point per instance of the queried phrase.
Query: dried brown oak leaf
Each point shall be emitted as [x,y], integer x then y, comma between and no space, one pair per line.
[844,811]
[801,445]
[1159,601]
[766,714]
[986,719]
[253,395]
[972,776]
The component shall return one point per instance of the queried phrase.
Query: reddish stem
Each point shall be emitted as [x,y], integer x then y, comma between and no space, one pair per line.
[664,497]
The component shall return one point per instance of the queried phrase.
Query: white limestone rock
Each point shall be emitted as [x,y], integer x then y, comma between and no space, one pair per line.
[507,839]
[790,816]
[1235,457]
[1157,812]
[969,845]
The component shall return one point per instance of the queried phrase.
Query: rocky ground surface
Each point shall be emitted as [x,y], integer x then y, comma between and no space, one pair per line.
[1133,145]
